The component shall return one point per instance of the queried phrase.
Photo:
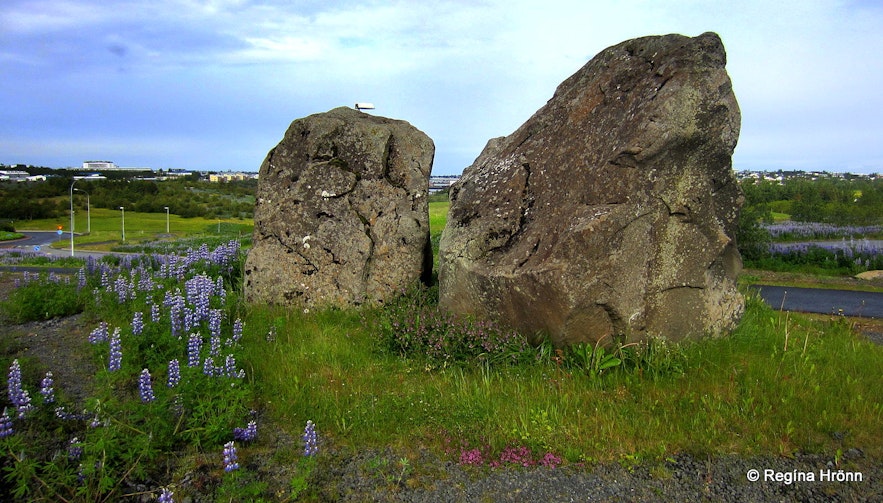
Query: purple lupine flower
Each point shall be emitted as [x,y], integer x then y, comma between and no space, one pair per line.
[121,286]
[145,281]
[175,302]
[190,318]
[14,382]
[99,334]
[64,415]
[137,323]
[237,333]
[74,449]
[6,424]
[18,396]
[145,387]
[214,325]
[310,439]
[116,351]
[81,278]
[247,434]
[199,290]
[194,345]
[230,368]
[219,288]
[230,459]
[208,366]
[215,345]
[46,388]
[174,373]
[154,313]
[165,496]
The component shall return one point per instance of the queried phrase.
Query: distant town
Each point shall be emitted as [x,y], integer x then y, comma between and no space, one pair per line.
[101,170]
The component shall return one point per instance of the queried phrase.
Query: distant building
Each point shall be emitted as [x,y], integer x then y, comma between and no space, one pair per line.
[14,176]
[178,173]
[442,182]
[99,166]
[111,166]
[229,177]
[93,176]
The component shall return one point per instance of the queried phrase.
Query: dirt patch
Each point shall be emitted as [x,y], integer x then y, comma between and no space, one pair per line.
[60,345]
[872,276]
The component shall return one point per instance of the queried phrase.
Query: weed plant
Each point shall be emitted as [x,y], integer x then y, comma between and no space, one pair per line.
[412,325]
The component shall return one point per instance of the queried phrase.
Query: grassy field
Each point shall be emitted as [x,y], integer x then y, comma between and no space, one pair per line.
[780,384]
[107,228]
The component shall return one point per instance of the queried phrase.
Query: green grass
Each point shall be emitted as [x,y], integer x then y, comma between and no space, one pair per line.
[780,384]
[8,236]
[438,215]
[106,227]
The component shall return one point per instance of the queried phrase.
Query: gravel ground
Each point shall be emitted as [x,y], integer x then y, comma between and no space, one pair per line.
[684,478]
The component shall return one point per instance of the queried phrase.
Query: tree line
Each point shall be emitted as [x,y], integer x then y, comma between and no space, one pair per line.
[840,201]
[186,198]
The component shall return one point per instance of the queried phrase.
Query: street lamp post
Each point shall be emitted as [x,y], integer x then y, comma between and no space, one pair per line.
[123,209]
[167,219]
[72,217]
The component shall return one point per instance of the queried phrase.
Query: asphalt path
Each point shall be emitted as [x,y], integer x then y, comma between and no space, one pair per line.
[819,300]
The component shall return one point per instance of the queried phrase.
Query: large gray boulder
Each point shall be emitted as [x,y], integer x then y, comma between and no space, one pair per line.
[341,216]
[610,214]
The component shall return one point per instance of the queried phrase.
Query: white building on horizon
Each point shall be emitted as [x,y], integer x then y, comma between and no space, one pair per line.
[99,166]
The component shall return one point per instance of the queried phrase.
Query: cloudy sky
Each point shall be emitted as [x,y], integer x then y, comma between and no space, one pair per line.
[213,84]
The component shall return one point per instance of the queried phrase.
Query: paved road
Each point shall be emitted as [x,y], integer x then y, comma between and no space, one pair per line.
[817,300]
[45,238]
[35,238]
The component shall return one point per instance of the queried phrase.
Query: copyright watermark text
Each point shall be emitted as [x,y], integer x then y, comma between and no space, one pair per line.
[823,475]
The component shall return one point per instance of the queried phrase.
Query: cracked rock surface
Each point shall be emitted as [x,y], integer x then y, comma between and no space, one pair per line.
[341,216]
[611,213]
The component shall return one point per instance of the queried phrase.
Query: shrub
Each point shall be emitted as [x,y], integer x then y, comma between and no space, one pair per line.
[413,326]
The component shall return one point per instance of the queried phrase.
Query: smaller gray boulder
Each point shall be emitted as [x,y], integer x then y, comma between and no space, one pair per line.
[341,216]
